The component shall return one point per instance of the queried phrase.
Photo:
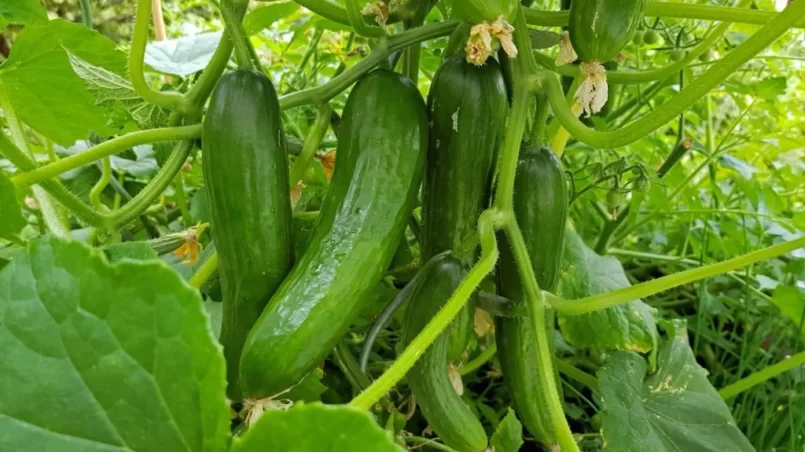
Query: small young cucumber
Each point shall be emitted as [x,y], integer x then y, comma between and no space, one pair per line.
[599,29]
[246,178]
[468,107]
[429,380]
[540,207]
[381,154]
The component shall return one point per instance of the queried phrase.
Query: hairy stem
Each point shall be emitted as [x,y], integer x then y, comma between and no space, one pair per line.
[105,149]
[136,65]
[762,375]
[687,97]
[489,256]
[646,289]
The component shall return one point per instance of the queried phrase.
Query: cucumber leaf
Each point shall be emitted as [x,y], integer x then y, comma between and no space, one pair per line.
[584,273]
[312,427]
[674,409]
[22,12]
[102,357]
[508,436]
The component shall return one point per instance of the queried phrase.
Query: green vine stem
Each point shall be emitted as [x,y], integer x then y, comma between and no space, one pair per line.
[648,288]
[762,375]
[100,186]
[650,75]
[205,272]
[482,358]
[670,10]
[687,97]
[487,224]
[106,149]
[52,215]
[136,63]
[327,9]
[111,220]
[317,133]
[577,374]
[381,50]
[357,22]
[235,31]
[335,12]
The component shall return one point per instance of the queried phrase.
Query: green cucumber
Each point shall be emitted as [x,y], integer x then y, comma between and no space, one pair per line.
[467,106]
[477,11]
[246,178]
[429,380]
[381,154]
[540,207]
[599,29]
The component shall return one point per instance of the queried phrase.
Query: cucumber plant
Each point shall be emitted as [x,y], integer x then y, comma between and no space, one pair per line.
[335,195]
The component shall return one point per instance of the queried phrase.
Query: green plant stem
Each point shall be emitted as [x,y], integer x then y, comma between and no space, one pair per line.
[181,200]
[577,374]
[646,289]
[540,125]
[100,186]
[534,16]
[650,75]
[357,22]
[52,216]
[762,375]
[327,9]
[670,10]
[106,149]
[535,302]
[482,358]
[234,29]
[489,256]
[381,50]
[317,133]
[687,97]
[205,272]
[136,64]
[429,442]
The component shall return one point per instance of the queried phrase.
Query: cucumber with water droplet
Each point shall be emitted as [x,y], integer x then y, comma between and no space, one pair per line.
[380,159]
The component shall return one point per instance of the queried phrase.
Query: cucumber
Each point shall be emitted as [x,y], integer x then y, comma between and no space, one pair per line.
[246,178]
[381,154]
[467,106]
[429,381]
[477,11]
[599,29]
[540,207]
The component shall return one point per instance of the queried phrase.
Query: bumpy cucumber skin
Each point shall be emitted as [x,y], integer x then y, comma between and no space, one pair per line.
[540,207]
[467,106]
[246,178]
[443,408]
[477,11]
[381,154]
[599,29]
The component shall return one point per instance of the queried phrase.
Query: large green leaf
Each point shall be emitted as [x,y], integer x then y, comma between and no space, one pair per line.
[625,327]
[102,357]
[11,219]
[21,12]
[675,409]
[316,427]
[42,87]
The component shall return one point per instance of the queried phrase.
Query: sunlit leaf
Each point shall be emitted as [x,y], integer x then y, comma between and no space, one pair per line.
[674,409]
[584,273]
